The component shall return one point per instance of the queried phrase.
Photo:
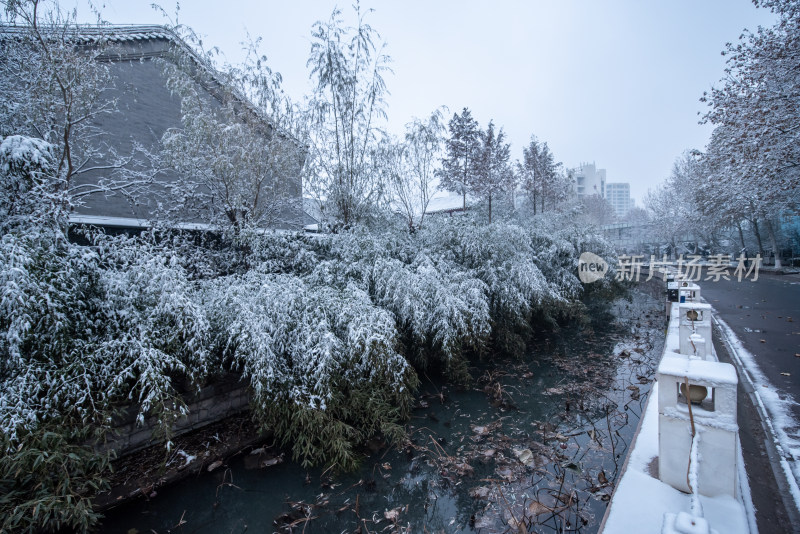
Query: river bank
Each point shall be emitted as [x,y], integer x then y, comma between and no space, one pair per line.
[536,443]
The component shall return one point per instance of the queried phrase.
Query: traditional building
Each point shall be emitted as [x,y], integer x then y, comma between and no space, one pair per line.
[144,110]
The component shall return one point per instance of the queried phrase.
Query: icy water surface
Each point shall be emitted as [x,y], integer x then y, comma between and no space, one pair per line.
[534,446]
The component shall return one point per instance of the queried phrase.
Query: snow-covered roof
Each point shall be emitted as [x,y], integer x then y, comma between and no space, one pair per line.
[446,203]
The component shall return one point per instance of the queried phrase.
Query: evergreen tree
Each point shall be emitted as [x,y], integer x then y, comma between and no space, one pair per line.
[460,165]
[540,176]
[493,172]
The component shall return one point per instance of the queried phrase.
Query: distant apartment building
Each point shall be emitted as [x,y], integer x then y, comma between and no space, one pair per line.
[589,180]
[619,196]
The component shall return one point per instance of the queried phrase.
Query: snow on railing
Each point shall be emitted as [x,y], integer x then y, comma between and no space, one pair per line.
[696,397]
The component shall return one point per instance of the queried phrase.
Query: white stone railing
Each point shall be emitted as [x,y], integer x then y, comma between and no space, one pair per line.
[689,370]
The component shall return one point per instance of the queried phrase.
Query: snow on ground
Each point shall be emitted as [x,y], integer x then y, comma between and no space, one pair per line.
[774,410]
[641,500]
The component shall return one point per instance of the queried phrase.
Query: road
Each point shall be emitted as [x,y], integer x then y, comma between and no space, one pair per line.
[765,316]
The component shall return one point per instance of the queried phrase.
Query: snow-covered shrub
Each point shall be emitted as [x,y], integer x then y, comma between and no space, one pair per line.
[87,328]
[322,362]
[81,330]
[48,483]
[577,238]
[349,257]
[443,310]
[285,253]
[503,257]
[29,190]
[154,333]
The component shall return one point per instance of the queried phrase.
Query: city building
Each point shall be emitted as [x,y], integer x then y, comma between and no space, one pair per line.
[618,194]
[589,180]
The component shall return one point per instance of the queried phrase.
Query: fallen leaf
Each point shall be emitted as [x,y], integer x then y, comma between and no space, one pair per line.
[763,340]
[786,374]
[480,430]
[480,492]
[272,461]
[525,456]
[797,354]
[392,515]
[484,522]
[573,467]
[215,465]
[537,508]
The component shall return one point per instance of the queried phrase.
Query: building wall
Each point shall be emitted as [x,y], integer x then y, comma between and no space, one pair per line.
[589,180]
[145,111]
[619,196]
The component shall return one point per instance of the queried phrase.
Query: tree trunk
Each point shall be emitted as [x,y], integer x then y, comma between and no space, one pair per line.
[542,211]
[741,234]
[758,236]
[490,208]
[773,243]
[464,196]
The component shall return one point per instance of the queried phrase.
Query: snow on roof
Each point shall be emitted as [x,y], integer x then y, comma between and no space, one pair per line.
[96,33]
[446,203]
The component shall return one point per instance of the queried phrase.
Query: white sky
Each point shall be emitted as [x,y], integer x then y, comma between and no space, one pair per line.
[615,82]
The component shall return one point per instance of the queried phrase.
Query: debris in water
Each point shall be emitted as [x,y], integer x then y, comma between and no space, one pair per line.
[214,465]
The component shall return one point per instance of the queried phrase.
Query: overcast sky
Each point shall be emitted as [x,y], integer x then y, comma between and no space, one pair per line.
[614,82]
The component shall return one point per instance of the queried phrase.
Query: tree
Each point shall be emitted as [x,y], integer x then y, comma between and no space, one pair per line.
[756,111]
[54,85]
[348,100]
[596,210]
[463,153]
[679,208]
[83,329]
[540,176]
[410,168]
[493,172]
[239,161]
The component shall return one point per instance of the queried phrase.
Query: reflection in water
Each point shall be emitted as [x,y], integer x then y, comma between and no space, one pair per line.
[534,446]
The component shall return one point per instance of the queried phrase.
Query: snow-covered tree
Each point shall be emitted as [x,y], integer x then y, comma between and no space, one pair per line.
[756,149]
[444,311]
[237,174]
[493,174]
[83,329]
[56,85]
[322,362]
[413,167]
[348,68]
[540,176]
[463,154]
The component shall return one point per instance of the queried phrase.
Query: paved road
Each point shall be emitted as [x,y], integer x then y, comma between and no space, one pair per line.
[765,315]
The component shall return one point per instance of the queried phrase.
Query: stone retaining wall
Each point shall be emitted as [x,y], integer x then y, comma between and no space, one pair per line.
[227,396]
